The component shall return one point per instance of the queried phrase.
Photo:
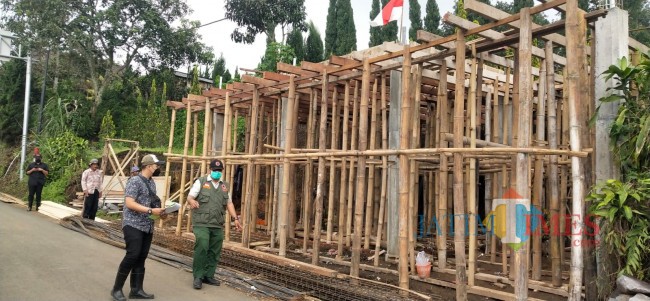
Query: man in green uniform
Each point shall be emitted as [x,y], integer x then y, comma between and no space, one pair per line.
[209,199]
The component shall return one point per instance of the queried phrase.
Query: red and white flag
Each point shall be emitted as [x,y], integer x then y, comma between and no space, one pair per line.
[391,12]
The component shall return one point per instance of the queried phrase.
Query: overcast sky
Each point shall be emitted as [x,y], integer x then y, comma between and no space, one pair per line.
[248,55]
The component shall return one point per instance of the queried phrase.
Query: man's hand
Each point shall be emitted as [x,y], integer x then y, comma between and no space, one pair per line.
[85,193]
[100,194]
[193,203]
[238,225]
[157,211]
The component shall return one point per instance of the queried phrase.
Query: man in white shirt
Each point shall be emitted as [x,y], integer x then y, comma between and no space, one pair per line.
[91,183]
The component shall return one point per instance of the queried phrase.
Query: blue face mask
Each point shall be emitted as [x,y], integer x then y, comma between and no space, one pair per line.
[215,175]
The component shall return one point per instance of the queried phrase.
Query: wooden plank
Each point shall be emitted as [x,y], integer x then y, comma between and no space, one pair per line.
[275,76]
[426,36]
[341,61]
[284,67]
[257,80]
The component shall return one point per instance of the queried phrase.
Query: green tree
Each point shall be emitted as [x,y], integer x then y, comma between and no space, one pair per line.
[218,69]
[346,34]
[375,31]
[196,88]
[275,52]
[390,30]
[639,19]
[237,76]
[313,45]
[108,36]
[296,42]
[263,16]
[12,97]
[107,129]
[227,76]
[416,20]
[432,17]
[330,29]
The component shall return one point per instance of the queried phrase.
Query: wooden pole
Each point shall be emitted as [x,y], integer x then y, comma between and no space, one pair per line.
[181,199]
[443,106]
[459,199]
[276,179]
[343,191]
[540,128]
[371,170]
[554,202]
[353,146]
[404,143]
[361,172]
[489,177]
[413,174]
[225,143]
[471,198]
[249,220]
[333,145]
[192,170]
[384,169]
[523,140]
[507,130]
[258,170]
[294,175]
[309,169]
[288,143]
[168,165]
[574,59]
[320,185]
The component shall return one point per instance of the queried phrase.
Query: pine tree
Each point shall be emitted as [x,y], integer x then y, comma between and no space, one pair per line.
[416,20]
[432,17]
[390,30]
[346,34]
[237,77]
[296,42]
[227,76]
[313,45]
[375,31]
[330,29]
[459,11]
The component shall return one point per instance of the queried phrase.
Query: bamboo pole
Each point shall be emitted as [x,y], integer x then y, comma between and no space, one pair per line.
[416,74]
[322,144]
[249,220]
[225,143]
[515,133]
[384,169]
[489,176]
[361,172]
[343,191]
[288,143]
[443,106]
[276,180]
[309,168]
[192,171]
[333,145]
[258,170]
[523,140]
[573,25]
[564,171]
[168,165]
[294,174]
[497,114]
[471,198]
[181,212]
[267,173]
[540,128]
[459,200]
[371,170]
[554,202]
[353,146]
[404,143]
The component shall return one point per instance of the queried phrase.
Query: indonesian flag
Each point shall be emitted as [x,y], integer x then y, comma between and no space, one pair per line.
[391,12]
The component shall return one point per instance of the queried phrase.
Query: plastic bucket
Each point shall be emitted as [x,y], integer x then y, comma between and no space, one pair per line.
[424,271]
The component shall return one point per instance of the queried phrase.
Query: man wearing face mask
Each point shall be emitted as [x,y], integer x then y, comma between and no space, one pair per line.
[209,199]
[37,171]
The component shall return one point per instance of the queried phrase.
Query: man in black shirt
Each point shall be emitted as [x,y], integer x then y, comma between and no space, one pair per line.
[37,172]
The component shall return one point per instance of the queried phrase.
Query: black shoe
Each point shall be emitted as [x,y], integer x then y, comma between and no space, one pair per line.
[211,281]
[137,279]
[118,295]
[198,283]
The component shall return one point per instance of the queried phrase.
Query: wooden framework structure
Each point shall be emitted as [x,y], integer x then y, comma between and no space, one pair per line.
[318,147]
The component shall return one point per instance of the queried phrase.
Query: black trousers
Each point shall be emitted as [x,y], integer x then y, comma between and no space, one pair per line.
[35,189]
[91,202]
[138,244]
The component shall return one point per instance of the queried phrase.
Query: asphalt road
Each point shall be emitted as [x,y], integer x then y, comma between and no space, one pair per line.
[41,260]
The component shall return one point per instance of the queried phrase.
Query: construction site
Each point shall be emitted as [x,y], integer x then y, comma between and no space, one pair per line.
[445,168]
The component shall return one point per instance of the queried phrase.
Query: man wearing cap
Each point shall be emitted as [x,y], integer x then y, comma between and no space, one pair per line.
[135,171]
[209,199]
[91,183]
[140,205]
[37,172]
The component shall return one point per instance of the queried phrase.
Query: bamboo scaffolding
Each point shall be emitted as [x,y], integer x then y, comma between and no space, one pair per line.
[490,241]
[353,146]
[412,132]
[168,166]
[524,85]
[193,175]
[371,171]
[443,107]
[361,172]
[225,143]
[332,178]
[309,169]
[471,198]
[540,128]
[343,191]
[181,199]
[459,200]
[384,170]
[320,185]
[288,143]
[404,172]
[249,215]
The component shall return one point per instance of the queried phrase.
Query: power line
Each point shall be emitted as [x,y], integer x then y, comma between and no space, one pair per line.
[206,24]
